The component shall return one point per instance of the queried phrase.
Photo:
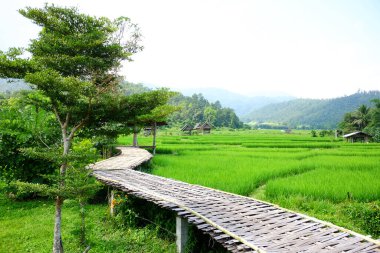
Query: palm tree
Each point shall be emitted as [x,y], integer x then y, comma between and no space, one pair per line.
[362,117]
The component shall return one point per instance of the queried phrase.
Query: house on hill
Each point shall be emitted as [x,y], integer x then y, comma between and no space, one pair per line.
[204,128]
[357,137]
[186,129]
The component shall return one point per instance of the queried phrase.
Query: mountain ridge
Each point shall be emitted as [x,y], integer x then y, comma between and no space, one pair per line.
[241,104]
[312,113]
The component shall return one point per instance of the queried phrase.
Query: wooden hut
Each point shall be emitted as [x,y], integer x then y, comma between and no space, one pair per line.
[357,137]
[197,127]
[204,128]
[186,129]
[147,131]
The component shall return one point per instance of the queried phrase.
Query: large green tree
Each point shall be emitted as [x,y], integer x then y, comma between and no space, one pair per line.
[74,64]
[357,120]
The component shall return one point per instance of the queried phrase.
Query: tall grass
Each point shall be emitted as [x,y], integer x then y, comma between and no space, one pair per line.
[290,164]
[333,184]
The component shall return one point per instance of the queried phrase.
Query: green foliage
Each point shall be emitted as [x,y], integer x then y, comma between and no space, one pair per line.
[75,44]
[368,215]
[74,62]
[12,65]
[376,134]
[324,133]
[135,212]
[24,126]
[73,67]
[356,120]
[196,109]
[364,118]
[78,181]
[129,88]
[131,113]
[375,121]
[313,133]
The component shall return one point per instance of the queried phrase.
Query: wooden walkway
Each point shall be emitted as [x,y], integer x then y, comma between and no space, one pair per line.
[239,223]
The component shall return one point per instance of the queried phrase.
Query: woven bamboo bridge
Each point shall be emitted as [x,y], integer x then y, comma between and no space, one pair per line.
[239,223]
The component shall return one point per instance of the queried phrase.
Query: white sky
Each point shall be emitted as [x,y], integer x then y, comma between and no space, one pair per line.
[318,49]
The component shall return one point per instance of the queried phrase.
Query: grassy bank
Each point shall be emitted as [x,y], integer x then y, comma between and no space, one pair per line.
[27,226]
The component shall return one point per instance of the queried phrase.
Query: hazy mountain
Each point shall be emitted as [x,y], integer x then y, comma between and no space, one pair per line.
[241,104]
[9,87]
[316,113]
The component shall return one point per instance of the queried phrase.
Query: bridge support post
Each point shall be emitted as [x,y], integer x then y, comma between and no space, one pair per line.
[111,202]
[182,230]
[154,137]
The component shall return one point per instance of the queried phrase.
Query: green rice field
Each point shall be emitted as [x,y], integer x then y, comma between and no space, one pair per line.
[322,177]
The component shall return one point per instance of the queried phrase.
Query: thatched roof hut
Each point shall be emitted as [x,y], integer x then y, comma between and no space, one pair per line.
[204,128]
[197,126]
[186,127]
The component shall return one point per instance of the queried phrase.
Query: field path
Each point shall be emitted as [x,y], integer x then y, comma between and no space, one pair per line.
[239,223]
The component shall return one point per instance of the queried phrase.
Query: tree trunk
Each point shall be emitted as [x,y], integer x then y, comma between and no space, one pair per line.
[135,144]
[58,246]
[57,243]
[83,224]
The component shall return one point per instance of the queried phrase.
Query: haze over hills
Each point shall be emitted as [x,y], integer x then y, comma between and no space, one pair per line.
[312,113]
[9,87]
[240,103]
[282,109]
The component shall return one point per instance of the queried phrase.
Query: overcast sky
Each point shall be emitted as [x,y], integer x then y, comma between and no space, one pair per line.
[313,49]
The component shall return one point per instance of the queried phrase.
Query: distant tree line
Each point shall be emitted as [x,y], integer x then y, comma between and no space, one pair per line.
[194,109]
[364,118]
[198,109]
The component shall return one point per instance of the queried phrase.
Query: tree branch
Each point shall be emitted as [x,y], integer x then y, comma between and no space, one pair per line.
[78,126]
[57,116]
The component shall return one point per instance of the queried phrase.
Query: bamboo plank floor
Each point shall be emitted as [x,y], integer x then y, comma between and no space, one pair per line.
[239,223]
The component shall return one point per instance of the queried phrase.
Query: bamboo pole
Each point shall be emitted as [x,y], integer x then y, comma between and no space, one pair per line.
[154,137]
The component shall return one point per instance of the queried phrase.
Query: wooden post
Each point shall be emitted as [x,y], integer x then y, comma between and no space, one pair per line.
[111,202]
[182,230]
[154,137]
